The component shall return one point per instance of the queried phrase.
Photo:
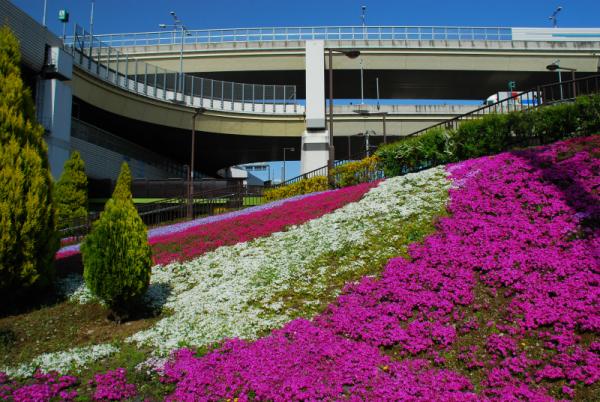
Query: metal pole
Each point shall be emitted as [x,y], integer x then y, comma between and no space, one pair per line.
[574,84]
[560,84]
[377,84]
[92,19]
[44,14]
[331,146]
[181,64]
[349,149]
[191,171]
[384,130]
[362,83]
[283,180]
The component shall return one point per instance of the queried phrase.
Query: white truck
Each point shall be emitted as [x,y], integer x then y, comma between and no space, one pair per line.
[514,99]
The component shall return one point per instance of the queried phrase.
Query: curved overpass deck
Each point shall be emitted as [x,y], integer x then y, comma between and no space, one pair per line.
[401,120]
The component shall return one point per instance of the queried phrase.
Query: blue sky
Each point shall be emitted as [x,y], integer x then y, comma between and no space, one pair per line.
[135,15]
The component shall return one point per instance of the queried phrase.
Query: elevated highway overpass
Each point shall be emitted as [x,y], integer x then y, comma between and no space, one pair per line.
[251,81]
[410,62]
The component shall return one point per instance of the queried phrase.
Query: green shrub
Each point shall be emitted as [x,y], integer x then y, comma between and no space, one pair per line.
[116,254]
[492,134]
[428,149]
[356,172]
[306,186]
[71,191]
[28,239]
[485,136]
[588,112]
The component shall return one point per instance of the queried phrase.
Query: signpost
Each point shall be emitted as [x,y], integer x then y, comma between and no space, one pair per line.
[63,16]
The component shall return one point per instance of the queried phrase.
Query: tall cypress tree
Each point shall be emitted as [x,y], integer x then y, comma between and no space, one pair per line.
[71,191]
[28,238]
[116,255]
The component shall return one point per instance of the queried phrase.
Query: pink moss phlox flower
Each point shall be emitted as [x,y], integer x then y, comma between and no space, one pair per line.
[42,387]
[113,386]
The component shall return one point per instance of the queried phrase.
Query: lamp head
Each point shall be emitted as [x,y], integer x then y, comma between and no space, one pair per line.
[352,54]
[552,67]
[162,25]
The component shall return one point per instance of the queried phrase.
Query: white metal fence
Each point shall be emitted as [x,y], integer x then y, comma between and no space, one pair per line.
[342,33]
[125,71]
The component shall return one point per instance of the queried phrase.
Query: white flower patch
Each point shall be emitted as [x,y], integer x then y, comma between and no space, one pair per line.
[232,291]
[62,362]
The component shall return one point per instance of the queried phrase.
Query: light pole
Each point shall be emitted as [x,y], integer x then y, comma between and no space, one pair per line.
[363,17]
[197,112]
[177,24]
[285,149]
[351,54]
[92,19]
[554,17]
[555,66]
[365,112]
[44,14]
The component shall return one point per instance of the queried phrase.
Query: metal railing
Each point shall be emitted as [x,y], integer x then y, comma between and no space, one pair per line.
[111,65]
[340,33]
[544,95]
[172,210]
[97,136]
[322,171]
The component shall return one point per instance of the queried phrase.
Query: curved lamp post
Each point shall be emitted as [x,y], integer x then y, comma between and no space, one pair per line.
[177,24]
[351,54]
[190,211]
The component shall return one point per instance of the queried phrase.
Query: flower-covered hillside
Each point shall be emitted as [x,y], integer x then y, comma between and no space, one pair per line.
[502,303]
[255,285]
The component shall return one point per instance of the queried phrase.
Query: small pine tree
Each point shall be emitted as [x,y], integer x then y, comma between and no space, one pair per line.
[28,239]
[116,254]
[71,191]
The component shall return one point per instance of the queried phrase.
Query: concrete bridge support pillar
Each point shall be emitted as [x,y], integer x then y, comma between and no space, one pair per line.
[315,140]
[54,103]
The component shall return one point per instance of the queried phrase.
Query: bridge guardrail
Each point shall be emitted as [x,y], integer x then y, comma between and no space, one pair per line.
[122,70]
[341,33]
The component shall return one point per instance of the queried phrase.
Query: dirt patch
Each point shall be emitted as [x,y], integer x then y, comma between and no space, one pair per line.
[60,327]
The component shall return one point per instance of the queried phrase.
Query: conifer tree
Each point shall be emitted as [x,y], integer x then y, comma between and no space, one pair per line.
[28,238]
[116,254]
[71,191]
[123,186]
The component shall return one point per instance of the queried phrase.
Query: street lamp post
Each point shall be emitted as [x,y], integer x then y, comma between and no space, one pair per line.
[555,66]
[554,17]
[190,211]
[44,14]
[177,24]
[285,149]
[352,54]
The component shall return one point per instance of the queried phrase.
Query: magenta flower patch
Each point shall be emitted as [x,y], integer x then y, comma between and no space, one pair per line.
[523,228]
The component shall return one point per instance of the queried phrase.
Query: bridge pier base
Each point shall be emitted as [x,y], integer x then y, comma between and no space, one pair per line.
[315,150]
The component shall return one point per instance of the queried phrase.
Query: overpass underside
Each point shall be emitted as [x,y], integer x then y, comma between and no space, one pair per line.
[218,150]
[403,84]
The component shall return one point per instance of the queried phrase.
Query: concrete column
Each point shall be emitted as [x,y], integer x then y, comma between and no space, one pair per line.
[54,103]
[315,140]
[56,119]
